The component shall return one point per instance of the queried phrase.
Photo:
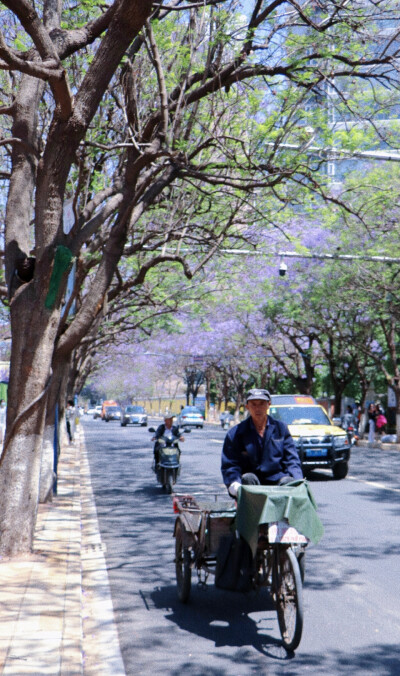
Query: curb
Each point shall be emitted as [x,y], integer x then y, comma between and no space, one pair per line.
[364,443]
[102,654]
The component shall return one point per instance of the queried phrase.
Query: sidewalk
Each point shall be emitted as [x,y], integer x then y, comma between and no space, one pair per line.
[55,605]
[378,444]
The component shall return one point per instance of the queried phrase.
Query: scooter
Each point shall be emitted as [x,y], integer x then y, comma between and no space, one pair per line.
[167,454]
[225,420]
[347,424]
[351,435]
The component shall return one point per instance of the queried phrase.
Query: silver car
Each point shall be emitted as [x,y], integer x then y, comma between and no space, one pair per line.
[112,413]
[134,415]
[190,416]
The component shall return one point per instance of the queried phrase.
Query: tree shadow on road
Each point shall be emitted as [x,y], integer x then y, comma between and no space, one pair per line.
[248,622]
[225,618]
[374,660]
[382,496]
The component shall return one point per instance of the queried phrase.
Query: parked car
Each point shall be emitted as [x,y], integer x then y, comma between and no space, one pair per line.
[134,415]
[320,443]
[97,412]
[112,413]
[190,416]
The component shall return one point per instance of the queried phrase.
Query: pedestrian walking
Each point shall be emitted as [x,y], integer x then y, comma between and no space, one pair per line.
[372,415]
[381,421]
[357,412]
[70,420]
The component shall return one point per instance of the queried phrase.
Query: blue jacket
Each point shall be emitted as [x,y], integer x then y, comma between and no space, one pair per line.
[279,456]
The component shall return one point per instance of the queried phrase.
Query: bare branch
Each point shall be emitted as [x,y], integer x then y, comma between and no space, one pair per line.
[51,68]
[155,57]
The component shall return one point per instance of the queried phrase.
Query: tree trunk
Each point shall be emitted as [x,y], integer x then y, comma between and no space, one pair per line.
[27,396]
[338,403]
[56,398]
[208,401]
[47,471]
[397,392]
[236,415]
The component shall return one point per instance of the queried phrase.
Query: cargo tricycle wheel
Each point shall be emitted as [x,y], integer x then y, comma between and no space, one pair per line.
[182,566]
[288,597]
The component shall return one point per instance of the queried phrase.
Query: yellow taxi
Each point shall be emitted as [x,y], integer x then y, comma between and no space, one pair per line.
[320,443]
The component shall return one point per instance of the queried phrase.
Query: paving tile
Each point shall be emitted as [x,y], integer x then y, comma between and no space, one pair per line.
[51,622]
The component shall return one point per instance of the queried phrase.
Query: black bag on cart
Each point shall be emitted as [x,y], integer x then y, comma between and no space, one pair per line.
[235,564]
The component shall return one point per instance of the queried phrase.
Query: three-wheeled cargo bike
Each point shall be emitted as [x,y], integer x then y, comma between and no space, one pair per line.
[257,543]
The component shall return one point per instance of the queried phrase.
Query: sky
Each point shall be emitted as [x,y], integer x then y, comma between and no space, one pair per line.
[248,5]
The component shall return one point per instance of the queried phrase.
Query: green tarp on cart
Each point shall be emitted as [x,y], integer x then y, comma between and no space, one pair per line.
[293,502]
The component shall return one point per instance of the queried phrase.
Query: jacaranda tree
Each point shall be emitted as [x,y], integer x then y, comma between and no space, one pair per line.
[112,111]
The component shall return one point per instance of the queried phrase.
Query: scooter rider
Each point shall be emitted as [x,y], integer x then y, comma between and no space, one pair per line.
[260,449]
[160,431]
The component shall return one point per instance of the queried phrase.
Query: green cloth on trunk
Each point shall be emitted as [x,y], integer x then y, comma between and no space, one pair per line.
[62,261]
[264,504]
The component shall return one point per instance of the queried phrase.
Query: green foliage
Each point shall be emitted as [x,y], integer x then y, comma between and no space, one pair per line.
[78,14]
[246,174]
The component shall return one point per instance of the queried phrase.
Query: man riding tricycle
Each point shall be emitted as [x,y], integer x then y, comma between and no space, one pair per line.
[259,540]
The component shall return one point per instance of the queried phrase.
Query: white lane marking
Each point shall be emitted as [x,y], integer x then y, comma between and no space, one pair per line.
[374,484]
[217,441]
